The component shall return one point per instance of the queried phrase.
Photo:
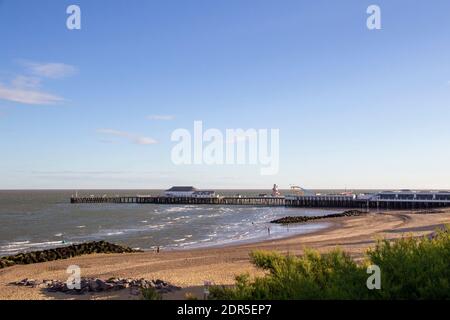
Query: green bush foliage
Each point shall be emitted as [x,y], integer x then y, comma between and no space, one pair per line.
[414,268]
[411,268]
[150,294]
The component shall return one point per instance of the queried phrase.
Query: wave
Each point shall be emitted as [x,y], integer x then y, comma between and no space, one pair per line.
[176,209]
[188,244]
[23,246]
[114,233]
[155,226]
[13,244]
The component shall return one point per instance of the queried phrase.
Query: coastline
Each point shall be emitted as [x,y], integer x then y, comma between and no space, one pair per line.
[143,227]
[188,268]
[318,227]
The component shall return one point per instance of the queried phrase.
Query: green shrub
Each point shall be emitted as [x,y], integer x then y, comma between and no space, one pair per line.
[150,294]
[312,276]
[411,268]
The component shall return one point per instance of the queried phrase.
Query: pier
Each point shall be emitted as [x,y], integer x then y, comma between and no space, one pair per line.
[358,203]
[253,201]
[377,201]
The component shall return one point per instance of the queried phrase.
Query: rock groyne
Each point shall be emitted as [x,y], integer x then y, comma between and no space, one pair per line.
[64,253]
[300,219]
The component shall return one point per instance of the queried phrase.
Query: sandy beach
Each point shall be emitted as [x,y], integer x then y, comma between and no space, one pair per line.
[190,268]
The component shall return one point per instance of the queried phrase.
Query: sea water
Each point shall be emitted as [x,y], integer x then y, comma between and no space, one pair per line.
[35,220]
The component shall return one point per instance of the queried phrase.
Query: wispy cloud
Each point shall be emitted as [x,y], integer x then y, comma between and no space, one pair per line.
[27,94]
[53,70]
[26,88]
[161,117]
[26,82]
[134,138]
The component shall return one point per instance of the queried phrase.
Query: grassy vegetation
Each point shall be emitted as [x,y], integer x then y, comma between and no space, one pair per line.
[150,294]
[411,268]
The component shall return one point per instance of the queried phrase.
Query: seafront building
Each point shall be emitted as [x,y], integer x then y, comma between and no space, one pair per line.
[205,194]
[180,191]
[408,195]
[189,192]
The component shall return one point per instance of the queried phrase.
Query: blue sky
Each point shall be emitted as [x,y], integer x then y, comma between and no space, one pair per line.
[95,108]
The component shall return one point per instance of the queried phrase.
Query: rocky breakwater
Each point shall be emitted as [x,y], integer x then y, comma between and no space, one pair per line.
[64,253]
[95,285]
[300,219]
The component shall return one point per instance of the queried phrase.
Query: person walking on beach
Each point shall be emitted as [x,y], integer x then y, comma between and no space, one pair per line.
[157,249]
[268,231]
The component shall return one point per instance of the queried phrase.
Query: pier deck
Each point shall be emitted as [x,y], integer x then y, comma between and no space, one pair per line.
[300,201]
[254,201]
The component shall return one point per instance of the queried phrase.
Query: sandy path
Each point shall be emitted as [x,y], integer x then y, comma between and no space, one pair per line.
[189,268]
